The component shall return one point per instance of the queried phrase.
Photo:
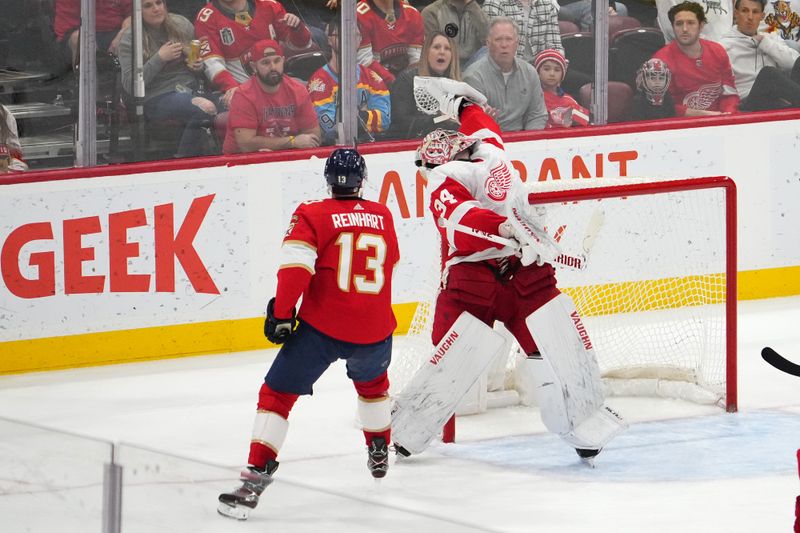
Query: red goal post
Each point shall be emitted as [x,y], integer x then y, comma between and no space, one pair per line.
[658,294]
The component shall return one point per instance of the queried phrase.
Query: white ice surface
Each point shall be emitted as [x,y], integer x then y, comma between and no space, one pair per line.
[680,467]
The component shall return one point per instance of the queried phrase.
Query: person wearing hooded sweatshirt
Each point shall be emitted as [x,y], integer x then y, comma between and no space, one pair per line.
[767,71]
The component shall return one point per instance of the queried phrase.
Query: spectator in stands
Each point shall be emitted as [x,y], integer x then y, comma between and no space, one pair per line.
[374,105]
[392,31]
[439,58]
[562,109]
[718,15]
[536,22]
[270,111]
[229,28]
[462,20]
[11,158]
[702,78]
[511,85]
[170,80]
[112,17]
[783,19]
[581,13]
[652,100]
[766,69]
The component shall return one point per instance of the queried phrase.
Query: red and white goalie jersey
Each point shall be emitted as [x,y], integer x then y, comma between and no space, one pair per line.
[395,40]
[226,37]
[473,193]
[339,255]
[705,83]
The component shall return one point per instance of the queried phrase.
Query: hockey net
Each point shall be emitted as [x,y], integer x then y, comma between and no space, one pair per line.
[657,295]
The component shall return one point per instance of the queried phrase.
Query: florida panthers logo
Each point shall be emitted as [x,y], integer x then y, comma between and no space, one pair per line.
[498,183]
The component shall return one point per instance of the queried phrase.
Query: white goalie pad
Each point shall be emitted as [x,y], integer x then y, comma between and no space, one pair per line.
[421,409]
[569,389]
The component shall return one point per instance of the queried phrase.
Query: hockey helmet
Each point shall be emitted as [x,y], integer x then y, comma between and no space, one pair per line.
[653,79]
[441,146]
[345,169]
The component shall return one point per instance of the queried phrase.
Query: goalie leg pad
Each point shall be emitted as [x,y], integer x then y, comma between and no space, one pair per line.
[569,388]
[421,409]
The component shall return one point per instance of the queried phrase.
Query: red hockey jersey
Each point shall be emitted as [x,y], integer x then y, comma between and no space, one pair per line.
[226,37]
[704,83]
[339,254]
[563,111]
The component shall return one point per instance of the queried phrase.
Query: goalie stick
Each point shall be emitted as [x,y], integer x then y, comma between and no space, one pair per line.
[778,361]
[577,262]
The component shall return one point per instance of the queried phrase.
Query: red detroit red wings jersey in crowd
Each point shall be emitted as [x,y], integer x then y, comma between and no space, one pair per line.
[561,111]
[226,37]
[286,112]
[109,15]
[705,83]
[395,44]
[339,254]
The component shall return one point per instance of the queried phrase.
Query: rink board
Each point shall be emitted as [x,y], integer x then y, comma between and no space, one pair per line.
[154,264]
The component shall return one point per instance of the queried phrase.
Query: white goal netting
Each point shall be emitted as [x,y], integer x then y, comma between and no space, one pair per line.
[654,295]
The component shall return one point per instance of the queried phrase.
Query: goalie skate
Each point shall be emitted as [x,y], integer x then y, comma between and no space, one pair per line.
[239,502]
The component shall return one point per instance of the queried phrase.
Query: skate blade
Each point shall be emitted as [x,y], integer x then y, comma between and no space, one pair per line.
[232,511]
[588,461]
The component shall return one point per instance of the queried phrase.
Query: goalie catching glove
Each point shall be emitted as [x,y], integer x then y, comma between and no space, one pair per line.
[277,330]
[525,224]
[443,95]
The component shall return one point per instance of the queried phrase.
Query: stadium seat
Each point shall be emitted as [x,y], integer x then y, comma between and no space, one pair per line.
[303,65]
[629,49]
[618,23]
[620,96]
[579,50]
[565,26]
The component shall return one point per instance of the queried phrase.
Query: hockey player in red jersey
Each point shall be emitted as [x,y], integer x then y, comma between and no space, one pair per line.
[474,186]
[338,254]
[227,29]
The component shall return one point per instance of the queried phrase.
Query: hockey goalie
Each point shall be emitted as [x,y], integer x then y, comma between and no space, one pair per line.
[496,266]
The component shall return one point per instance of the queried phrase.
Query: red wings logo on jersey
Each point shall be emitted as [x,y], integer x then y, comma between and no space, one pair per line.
[498,182]
[704,97]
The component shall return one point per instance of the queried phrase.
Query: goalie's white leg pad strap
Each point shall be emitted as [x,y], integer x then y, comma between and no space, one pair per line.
[421,409]
[569,388]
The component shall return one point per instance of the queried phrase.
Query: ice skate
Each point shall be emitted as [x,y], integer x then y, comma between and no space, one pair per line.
[239,502]
[378,457]
[399,450]
[587,455]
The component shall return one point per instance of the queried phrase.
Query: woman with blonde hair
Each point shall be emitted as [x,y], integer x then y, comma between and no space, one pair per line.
[170,74]
[439,58]
[10,148]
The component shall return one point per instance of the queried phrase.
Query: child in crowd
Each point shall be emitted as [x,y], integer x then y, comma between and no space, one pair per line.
[562,109]
[652,101]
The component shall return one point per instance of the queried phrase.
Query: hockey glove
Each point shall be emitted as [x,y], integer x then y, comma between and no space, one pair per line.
[525,223]
[527,253]
[434,95]
[277,330]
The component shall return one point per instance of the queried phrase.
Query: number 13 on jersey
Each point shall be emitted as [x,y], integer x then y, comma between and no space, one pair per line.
[367,277]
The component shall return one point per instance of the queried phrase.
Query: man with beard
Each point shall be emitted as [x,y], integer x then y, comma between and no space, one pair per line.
[270,111]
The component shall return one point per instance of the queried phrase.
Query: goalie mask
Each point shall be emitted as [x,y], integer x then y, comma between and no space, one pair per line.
[440,147]
[653,79]
[345,171]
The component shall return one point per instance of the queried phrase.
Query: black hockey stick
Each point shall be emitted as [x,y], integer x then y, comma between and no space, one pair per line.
[778,361]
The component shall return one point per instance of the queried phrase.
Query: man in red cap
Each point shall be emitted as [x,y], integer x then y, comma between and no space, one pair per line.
[227,29]
[270,111]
